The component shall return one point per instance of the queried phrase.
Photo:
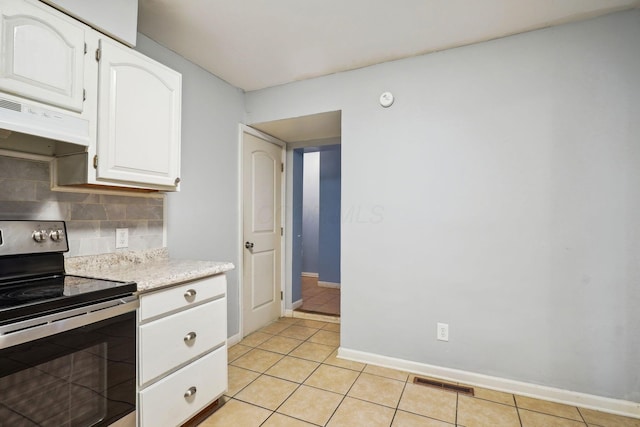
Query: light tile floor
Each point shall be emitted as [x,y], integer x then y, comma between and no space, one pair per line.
[318,299]
[287,374]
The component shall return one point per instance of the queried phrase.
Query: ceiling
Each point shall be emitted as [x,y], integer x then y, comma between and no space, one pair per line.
[254,44]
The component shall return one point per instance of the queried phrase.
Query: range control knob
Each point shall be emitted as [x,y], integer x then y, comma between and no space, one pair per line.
[56,235]
[40,235]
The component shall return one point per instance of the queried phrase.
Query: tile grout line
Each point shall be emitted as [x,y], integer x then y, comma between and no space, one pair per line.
[457,406]
[296,389]
[250,370]
[400,400]
[515,403]
[318,367]
[283,356]
[322,363]
[582,416]
[553,415]
[344,396]
[288,397]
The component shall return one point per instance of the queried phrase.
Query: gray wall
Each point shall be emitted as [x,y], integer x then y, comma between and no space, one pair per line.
[329,221]
[202,218]
[91,218]
[499,194]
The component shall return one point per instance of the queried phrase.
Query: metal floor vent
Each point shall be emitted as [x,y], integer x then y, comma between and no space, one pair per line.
[444,386]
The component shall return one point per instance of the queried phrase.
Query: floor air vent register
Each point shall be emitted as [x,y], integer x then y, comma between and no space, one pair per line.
[444,385]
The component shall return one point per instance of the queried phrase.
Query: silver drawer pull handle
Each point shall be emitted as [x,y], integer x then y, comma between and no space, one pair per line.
[190,392]
[190,293]
[190,337]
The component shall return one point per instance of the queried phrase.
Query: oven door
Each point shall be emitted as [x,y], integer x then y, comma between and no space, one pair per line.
[83,376]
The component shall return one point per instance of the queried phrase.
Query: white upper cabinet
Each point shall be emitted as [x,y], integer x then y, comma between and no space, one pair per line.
[139,115]
[65,81]
[41,54]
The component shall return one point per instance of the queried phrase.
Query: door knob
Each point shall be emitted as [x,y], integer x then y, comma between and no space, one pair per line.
[248,245]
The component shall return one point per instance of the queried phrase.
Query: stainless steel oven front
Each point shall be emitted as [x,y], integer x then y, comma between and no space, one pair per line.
[78,376]
[67,343]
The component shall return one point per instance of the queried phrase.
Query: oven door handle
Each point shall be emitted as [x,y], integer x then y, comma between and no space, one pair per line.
[40,327]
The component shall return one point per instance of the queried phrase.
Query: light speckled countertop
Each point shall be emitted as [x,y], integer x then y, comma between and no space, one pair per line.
[151,269]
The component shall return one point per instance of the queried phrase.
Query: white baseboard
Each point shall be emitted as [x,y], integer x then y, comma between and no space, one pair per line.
[333,285]
[306,274]
[599,403]
[235,339]
[289,312]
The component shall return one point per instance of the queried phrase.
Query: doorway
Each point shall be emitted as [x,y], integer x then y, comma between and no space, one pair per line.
[261,189]
[316,222]
[315,130]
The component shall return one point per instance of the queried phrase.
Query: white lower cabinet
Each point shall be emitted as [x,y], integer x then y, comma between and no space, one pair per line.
[176,398]
[182,351]
[174,340]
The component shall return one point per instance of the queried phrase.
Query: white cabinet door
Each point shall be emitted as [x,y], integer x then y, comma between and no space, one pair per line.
[42,54]
[139,114]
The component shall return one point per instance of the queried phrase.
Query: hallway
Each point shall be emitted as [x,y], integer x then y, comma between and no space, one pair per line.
[318,299]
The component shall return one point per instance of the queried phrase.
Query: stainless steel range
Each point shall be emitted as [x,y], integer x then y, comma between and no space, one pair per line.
[67,343]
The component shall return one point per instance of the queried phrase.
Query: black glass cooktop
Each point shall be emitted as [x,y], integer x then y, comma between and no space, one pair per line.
[35,297]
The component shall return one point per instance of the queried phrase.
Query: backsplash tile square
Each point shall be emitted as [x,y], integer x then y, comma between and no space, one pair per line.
[28,170]
[88,212]
[16,189]
[91,217]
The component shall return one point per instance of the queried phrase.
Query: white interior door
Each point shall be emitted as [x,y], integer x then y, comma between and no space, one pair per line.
[261,189]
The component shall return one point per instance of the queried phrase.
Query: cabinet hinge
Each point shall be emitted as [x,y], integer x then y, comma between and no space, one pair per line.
[281,167]
[85,48]
[84,94]
[95,161]
[98,54]
[282,231]
[281,296]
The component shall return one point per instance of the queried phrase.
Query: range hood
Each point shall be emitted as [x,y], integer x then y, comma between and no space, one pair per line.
[34,129]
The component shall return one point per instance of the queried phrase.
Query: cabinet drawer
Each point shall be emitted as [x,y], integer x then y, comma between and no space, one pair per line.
[165,404]
[166,344]
[182,296]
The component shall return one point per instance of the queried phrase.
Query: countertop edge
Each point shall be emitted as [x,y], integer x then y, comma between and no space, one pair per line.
[154,284]
[150,269]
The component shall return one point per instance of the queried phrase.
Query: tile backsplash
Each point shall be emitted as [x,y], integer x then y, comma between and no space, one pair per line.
[91,218]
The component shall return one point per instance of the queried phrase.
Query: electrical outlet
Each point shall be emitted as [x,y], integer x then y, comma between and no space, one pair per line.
[122,238]
[442,332]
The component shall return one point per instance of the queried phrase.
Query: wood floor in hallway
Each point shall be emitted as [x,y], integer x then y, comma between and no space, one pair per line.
[318,299]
